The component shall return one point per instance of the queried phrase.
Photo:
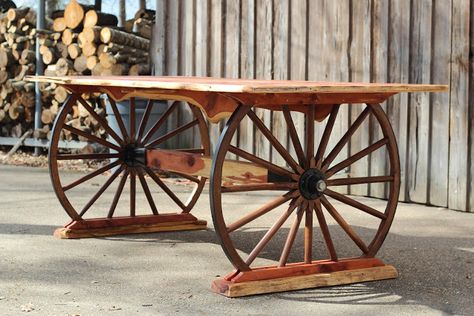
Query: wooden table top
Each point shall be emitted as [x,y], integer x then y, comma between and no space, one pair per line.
[221,85]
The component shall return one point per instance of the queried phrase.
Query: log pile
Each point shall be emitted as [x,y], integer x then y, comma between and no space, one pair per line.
[78,41]
[89,42]
[17,59]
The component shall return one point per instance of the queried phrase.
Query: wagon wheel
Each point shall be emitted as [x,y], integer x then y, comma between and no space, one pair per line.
[308,193]
[111,162]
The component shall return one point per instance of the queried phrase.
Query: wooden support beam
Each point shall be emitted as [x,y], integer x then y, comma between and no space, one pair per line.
[234,172]
[99,227]
[303,276]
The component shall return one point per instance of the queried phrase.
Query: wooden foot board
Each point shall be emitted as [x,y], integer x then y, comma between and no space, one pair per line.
[353,273]
[101,227]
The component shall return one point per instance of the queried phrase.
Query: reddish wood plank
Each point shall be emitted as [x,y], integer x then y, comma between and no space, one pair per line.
[299,269]
[199,165]
[230,289]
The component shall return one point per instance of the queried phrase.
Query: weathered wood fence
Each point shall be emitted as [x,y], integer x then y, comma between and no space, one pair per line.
[420,41]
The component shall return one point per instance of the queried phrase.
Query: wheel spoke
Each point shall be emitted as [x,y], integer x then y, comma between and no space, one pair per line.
[326,135]
[91,175]
[133,193]
[86,156]
[274,141]
[349,161]
[172,133]
[192,150]
[101,120]
[291,237]
[101,190]
[259,161]
[343,141]
[187,176]
[294,136]
[358,180]
[308,233]
[270,233]
[132,124]
[144,121]
[347,200]
[118,117]
[117,195]
[148,195]
[91,137]
[160,122]
[325,230]
[344,225]
[309,122]
[261,211]
[260,187]
[165,188]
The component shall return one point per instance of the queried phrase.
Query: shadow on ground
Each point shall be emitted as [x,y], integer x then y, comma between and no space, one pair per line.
[435,272]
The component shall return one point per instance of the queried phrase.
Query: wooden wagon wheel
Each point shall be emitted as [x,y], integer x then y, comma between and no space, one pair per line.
[309,196]
[120,159]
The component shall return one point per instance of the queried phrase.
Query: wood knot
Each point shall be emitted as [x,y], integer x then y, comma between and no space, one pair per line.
[156,163]
[191,160]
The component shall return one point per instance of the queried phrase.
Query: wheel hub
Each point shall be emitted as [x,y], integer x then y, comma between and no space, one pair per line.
[133,155]
[312,184]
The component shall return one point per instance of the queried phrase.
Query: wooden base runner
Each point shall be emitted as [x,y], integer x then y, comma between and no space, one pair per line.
[99,227]
[303,276]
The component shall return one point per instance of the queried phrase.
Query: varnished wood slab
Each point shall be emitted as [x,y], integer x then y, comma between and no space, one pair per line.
[228,85]
[219,97]
[101,227]
[238,289]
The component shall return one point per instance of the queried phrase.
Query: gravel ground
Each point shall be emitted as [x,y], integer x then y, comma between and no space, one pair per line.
[170,273]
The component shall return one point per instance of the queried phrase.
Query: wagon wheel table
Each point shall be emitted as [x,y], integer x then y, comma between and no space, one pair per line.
[303,184]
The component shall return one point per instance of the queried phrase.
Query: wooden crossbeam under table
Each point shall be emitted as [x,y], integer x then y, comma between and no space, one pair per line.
[234,172]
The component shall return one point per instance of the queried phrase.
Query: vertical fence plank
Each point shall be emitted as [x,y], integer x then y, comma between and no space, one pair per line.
[359,71]
[471,113]
[172,38]
[439,138]
[232,43]
[280,69]
[217,21]
[297,51]
[263,68]
[231,46]
[418,134]
[378,159]
[202,37]
[316,44]
[173,33]
[158,41]
[186,67]
[247,66]
[459,106]
[398,71]
[336,60]
[201,45]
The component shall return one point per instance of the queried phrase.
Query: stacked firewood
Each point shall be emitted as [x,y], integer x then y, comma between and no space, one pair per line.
[85,41]
[17,59]
[77,41]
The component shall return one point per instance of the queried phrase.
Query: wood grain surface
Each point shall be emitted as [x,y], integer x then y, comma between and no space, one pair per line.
[224,85]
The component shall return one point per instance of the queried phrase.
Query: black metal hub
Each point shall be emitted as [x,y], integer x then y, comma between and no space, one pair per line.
[133,155]
[312,184]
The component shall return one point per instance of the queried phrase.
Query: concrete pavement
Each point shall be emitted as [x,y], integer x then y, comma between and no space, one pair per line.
[170,273]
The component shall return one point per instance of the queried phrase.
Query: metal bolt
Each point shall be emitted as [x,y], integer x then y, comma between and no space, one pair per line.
[321,186]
